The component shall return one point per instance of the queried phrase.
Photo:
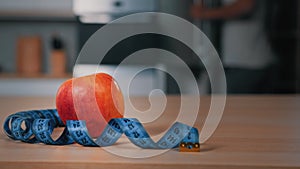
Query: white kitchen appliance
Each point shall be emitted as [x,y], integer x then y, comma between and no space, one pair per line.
[103,11]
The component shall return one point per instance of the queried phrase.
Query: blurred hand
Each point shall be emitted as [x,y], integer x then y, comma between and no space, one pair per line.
[197,11]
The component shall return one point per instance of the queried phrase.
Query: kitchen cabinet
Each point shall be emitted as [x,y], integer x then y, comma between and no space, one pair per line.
[133,80]
[41,18]
[38,85]
[11,31]
[36,8]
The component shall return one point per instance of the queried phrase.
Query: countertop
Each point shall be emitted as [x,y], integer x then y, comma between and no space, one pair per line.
[255,132]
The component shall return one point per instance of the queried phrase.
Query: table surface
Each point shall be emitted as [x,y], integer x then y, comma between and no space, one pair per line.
[255,131]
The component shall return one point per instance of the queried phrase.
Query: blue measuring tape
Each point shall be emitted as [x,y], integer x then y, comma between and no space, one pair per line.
[39,125]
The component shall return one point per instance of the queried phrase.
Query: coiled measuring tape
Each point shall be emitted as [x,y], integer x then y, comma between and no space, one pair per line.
[39,125]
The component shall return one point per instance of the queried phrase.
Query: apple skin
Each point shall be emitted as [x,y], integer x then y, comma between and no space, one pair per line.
[94,98]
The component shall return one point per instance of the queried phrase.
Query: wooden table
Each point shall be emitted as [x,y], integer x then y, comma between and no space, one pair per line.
[255,132]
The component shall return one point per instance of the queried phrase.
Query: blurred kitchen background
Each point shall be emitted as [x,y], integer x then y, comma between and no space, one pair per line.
[41,39]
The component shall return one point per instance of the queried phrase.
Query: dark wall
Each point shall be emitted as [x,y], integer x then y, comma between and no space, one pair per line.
[283,27]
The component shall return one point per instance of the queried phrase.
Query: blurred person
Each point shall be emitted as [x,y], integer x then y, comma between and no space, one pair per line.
[246,52]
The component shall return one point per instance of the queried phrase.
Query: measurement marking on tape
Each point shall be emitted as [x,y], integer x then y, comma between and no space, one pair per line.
[39,125]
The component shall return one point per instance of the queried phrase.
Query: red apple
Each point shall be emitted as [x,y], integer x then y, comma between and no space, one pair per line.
[94,98]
